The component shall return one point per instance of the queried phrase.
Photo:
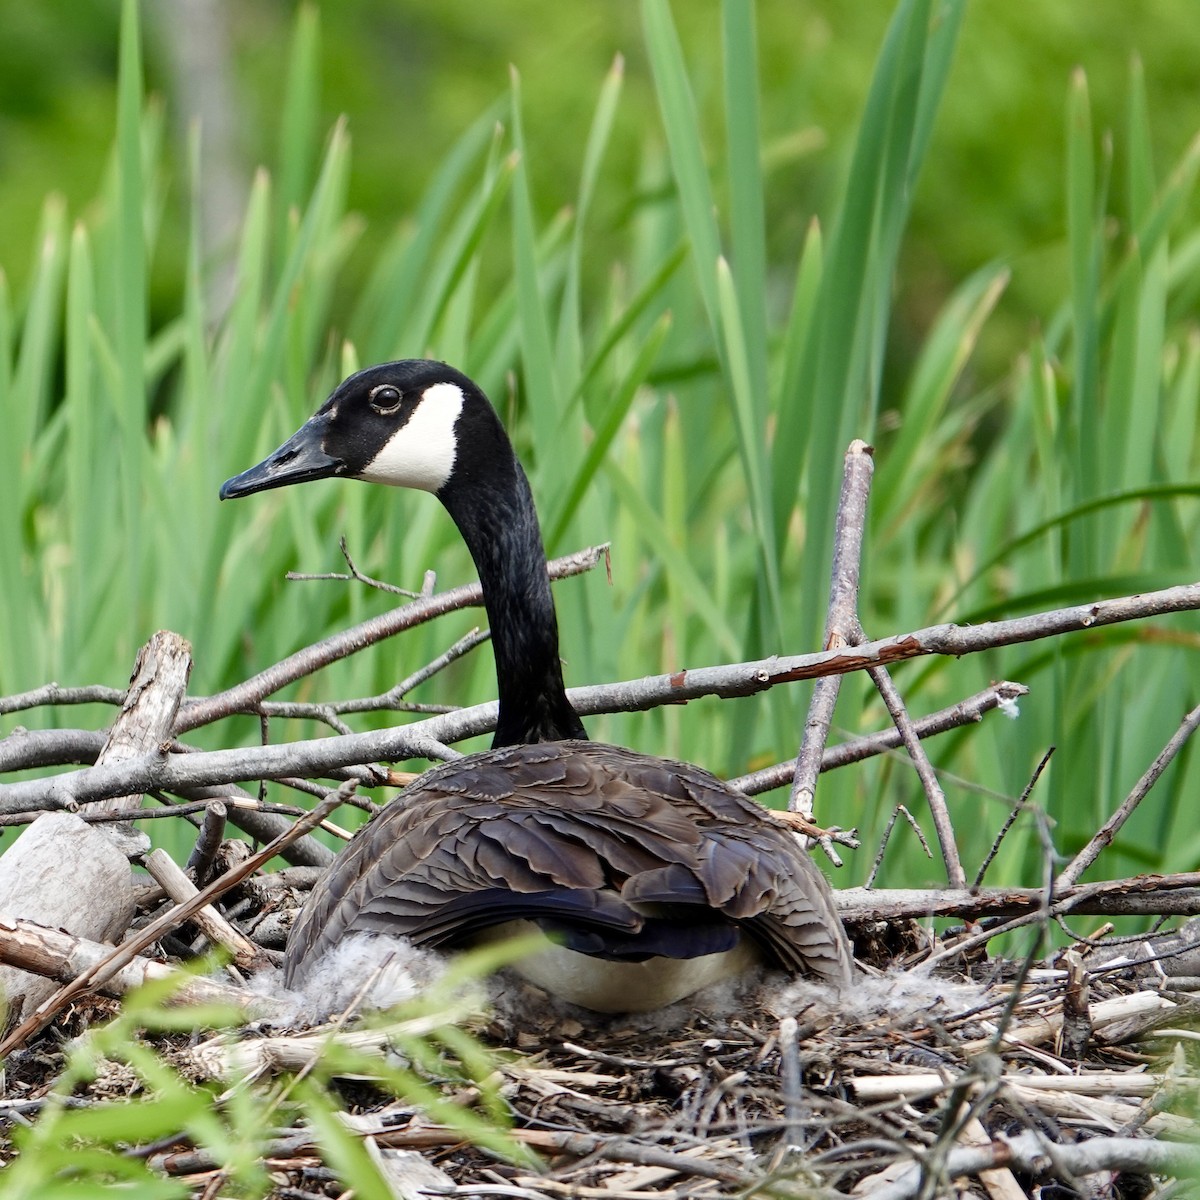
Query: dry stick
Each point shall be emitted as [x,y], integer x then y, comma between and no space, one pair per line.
[842,628]
[899,811]
[32,748]
[356,574]
[1027,1152]
[390,700]
[248,694]
[58,955]
[167,873]
[208,842]
[965,712]
[129,949]
[52,694]
[1014,812]
[738,679]
[1105,834]
[934,795]
[148,712]
[1176,895]
[842,616]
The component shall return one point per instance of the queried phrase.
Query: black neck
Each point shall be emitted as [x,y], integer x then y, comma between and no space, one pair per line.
[498,521]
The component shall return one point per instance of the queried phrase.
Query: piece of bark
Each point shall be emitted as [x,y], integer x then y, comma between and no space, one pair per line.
[63,873]
[146,719]
[1077,1024]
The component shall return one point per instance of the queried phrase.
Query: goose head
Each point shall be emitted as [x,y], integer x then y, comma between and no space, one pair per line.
[411,424]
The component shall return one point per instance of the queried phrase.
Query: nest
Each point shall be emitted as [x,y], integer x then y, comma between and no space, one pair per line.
[988,1078]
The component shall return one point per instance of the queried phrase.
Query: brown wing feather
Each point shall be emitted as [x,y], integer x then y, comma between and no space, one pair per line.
[592,830]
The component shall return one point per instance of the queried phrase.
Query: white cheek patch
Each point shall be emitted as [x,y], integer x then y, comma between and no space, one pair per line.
[421,453]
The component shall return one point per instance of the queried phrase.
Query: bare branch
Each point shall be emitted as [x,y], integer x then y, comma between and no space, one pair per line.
[421,738]
[1028,1152]
[965,712]
[934,795]
[1140,895]
[841,620]
[247,695]
[57,955]
[51,694]
[355,573]
[1014,812]
[899,811]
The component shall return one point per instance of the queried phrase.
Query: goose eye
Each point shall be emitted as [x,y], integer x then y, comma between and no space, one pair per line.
[385,398]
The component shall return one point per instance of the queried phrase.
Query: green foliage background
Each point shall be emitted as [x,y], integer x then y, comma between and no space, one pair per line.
[687,281]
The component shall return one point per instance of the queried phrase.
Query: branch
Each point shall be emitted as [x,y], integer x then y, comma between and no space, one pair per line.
[57,955]
[841,620]
[1028,1152]
[1138,896]
[245,696]
[965,712]
[739,679]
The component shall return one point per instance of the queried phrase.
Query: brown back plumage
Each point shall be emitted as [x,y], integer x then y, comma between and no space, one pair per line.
[575,834]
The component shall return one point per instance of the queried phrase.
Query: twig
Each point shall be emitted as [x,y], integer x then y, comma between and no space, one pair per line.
[247,695]
[136,942]
[51,694]
[840,621]
[934,795]
[1105,834]
[355,573]
[391,699]
[965,712]
[1013,813]
[898,811]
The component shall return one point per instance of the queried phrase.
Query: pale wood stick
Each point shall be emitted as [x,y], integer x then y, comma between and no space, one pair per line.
[840,621]
[148,713]
[169,875]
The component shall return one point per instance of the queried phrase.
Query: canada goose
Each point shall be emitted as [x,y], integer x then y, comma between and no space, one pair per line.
[651,878]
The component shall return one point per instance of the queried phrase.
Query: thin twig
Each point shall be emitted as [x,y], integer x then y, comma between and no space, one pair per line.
[355,573]
[898,811]
[1013,813]
[965,712]
[934,796]
[248,694]
[51,694]
[1105,834]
